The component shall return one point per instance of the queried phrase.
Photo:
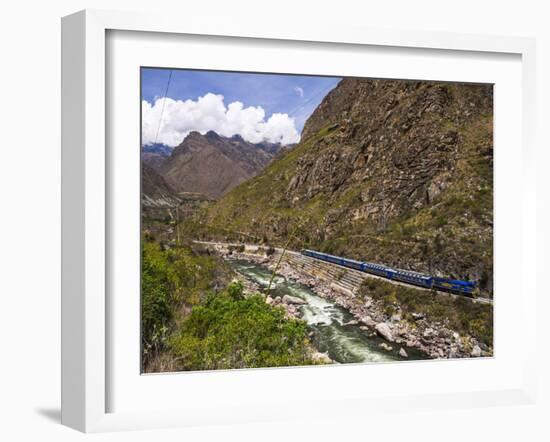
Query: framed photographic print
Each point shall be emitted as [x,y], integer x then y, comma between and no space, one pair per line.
[286,223]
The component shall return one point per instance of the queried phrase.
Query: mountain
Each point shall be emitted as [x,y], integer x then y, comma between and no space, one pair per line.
[389,171]
[155,154]
[158,148]
[212,165]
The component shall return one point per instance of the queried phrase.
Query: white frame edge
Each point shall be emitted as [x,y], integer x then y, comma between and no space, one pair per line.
[84,197]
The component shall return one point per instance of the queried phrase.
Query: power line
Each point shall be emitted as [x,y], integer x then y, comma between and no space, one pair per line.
[315,95]
[163,105]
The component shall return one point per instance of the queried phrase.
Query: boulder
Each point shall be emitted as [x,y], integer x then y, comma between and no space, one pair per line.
[269,300]
[476,351]
[428,333]
[367,320]
[385,346]
[384,330]
[395,318]
[403,353]
[287,299]
[321,358]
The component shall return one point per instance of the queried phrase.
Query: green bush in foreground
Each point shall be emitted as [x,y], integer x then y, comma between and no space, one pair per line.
[157,299]
[170,279]
[231,331]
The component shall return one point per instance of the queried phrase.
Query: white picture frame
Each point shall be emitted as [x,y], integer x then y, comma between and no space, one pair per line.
[86,206]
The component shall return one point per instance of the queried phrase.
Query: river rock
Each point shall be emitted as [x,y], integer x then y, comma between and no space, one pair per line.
[321,358]
[403,353]
[385,346]
[269,300]
[367,320]
[476,351]
[287,299]
[384,330]
[428,333]
[395,318]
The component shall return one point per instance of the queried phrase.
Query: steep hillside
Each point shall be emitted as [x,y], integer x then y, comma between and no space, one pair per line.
[212,165]
[155,192]
[396,172]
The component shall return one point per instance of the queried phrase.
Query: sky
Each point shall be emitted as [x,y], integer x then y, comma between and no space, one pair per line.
[258,107]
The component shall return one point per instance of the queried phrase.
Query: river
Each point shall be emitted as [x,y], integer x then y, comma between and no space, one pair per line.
[343,342]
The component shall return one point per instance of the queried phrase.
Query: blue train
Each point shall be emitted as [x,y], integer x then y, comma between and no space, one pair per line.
[406,276]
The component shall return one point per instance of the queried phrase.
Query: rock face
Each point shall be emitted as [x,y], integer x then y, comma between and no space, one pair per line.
[388,171]
[213,165]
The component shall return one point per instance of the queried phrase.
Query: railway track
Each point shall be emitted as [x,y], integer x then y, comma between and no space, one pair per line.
[343,278]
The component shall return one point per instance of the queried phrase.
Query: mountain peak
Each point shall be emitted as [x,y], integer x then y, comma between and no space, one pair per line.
[212,135]
[193,135]
[212,164]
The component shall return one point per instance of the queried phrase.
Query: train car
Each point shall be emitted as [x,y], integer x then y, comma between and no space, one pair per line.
[413,278]
[357,265]
[454,285]
[377,269]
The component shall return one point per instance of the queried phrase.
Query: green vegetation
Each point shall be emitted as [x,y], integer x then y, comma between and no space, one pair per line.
[171,280]
[457,313]
[190,322]
[233,331]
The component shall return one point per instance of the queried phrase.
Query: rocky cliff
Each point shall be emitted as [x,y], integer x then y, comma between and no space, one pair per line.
[395,172]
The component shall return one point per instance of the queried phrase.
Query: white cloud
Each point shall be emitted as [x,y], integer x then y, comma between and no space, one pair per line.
[210,113]
[299,91]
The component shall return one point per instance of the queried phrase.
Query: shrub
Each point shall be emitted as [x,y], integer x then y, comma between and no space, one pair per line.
[235,290]
[229,331]
[170,279]
[156,299]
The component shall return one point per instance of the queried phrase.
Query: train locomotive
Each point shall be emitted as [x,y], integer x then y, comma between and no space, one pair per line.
[414,278]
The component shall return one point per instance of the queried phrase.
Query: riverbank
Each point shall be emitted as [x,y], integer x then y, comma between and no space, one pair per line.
[332,329]
[433,338]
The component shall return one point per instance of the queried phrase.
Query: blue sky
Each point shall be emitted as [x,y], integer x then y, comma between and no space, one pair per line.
[295,95]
